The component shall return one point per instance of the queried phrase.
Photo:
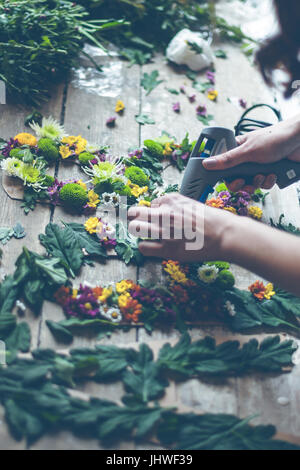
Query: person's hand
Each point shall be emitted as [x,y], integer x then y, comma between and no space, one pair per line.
[195,233]
[266,145]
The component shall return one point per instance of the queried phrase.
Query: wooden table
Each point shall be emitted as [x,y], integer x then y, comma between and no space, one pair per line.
[83,112]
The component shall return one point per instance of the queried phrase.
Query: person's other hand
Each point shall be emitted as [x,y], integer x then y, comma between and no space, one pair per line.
[267,145]
[209,228]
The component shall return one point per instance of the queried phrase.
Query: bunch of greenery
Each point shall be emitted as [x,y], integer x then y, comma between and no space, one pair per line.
[153,23]
[40,41]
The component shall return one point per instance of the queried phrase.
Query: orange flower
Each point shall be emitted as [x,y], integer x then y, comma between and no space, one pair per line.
[62,294]
[258,290]
[97,291]
[132,310]
[26,139]
[215,202]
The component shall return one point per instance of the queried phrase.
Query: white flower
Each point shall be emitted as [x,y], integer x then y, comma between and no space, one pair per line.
[20,306]
[208,274]
[110,232]
[13,167]
[113,314]
[50,128]
[230,308]
[110,199]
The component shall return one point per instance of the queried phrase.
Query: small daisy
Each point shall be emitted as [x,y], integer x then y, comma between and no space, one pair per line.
[208,274]
[50,128]
[113,314]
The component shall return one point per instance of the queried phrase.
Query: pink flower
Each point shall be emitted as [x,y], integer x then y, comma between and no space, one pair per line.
[176,107]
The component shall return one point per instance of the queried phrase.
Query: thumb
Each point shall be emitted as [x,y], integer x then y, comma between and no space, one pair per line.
[226,160]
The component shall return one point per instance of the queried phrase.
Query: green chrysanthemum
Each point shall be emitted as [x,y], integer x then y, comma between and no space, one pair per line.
[30,174]
[137,176]
[50,129]
[73,196]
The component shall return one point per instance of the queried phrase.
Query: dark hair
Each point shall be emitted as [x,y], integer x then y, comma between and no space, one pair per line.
[283,50]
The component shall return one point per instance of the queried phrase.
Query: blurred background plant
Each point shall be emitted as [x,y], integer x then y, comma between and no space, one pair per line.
[153,23]
[40,41]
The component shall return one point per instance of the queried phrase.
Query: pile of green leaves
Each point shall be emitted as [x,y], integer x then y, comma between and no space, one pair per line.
[40,41]
[36,401]
[283,310]
[153,23]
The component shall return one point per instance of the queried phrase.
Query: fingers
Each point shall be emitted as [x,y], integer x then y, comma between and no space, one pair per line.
[270,181]
[226,160]
[152,249]
[236,185]
[143,229]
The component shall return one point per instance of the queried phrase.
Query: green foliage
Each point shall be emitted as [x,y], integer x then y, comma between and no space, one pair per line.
[136,176]
[40,41]
[48,180]
[87,241]
[85,157]
[144,119]
[61,243]
[36,401]
[48,150]
[37,278]
[127,246]
[290,228]
[31,198]
[73,196]
[149,81]
[154,148]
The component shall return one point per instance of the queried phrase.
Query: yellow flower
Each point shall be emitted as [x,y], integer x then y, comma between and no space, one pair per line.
[255,212]
[269,292]
[88,306]
[92,224]
[137,191]
[120,106]
[106,293]
[65,151]
[212,95]
[82,184]
[26,139]
[175,273]
[93,199]
[123,286]
[168,149]
[123,299]
[145,203]
[230,209]
[78,143]
[74,293]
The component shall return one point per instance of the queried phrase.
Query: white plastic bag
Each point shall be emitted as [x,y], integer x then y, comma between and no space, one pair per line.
[182,52]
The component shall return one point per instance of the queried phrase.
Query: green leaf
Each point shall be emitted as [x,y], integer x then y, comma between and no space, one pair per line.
[19,231]
[53,269]
[87,241]
[145,380]
[220,54]
[6,234]
[144,119]
[61,243]
[149,81]
[60,333]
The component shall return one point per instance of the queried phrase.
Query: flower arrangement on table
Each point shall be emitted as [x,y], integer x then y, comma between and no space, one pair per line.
[192,293]
[28,157]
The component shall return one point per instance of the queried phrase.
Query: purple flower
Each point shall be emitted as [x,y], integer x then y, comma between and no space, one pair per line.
[111,122]
[243,103]
[211,77]
[138,153]
[11,144]
[176,107]
[201,111]
[225,196]
[192,98]
[243,211]
[185,156]
[109,243]
[53,191]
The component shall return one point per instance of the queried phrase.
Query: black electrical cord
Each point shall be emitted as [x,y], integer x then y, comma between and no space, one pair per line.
[246,124]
